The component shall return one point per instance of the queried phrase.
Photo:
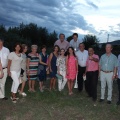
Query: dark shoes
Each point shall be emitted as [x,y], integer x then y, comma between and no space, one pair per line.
[101,100]
[5,98]
[118,103]
[108,102]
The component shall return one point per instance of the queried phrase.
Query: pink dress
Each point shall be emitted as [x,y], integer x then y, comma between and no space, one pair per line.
[71,67]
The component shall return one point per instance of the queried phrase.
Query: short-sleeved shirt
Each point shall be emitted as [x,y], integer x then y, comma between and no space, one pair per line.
[61,63]
[82,57]
[108,63]
[16,62]
[65,44]
[92,65]
[119,66]
[75,44]
[4,52]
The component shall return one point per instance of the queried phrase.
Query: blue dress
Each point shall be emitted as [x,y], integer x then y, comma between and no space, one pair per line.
[53,66]
[42,68]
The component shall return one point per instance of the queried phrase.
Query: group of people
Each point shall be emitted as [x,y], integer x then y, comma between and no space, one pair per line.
[68,63]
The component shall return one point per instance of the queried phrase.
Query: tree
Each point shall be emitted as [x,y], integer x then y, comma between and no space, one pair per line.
[69,38]
[91,41]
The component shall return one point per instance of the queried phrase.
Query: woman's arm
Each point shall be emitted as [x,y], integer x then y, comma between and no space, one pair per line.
[50,58]
[8,67]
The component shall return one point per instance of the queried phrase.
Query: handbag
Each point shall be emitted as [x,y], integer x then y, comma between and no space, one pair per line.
[59,76]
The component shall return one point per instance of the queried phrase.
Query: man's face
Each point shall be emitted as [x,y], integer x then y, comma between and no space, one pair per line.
[82,47]
[62,37]
[1,43]
[108,48]
[75,37]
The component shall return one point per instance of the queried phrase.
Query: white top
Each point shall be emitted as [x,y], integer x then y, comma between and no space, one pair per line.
[16,62]
[82,57]
[75,44]
[23,65]
[119,66]
[4,52]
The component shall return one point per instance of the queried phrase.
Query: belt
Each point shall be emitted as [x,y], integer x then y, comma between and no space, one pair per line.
[5,68]
[106,71]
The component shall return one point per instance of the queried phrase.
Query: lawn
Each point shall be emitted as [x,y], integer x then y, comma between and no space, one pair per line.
[57,105]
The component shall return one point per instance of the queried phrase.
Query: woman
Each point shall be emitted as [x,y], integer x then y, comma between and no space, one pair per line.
[72,68]
[23,70]
[42,67]
[53,68]
[32,67]
[14,69]
[61,69]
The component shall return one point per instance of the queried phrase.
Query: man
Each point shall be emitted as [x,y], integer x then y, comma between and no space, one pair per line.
[92,67]
[62,43]
[75,42]
[108,69]
[82,56]
[4,52]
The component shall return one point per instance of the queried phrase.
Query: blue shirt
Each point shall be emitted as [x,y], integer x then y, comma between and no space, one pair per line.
[108,63]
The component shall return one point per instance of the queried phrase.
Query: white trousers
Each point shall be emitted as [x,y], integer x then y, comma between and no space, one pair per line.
[2,84]
[16,81]
[62,82]
[106,78]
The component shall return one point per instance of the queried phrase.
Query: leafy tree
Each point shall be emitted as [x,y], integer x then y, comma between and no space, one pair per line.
[69,38]
[91,41]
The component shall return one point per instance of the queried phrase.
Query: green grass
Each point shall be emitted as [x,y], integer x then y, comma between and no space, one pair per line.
[57,105]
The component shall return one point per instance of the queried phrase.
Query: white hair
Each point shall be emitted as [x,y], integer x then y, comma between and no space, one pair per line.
[34,46]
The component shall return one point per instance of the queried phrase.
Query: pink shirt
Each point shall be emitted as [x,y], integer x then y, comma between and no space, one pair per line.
[92,65]
[64,44]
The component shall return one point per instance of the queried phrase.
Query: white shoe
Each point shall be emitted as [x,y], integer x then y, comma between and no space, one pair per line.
[23,94]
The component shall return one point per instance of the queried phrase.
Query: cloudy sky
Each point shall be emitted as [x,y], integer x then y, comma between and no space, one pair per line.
[98,17]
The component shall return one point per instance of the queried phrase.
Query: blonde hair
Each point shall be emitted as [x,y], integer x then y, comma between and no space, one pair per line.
[34,46]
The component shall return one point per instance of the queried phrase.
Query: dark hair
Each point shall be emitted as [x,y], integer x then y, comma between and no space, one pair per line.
[81,44]
[62,49]
[1,39]
[57,47]
[75,34]
[61,34]
[43,46]
[72,50]
[16,46]
[23,47]
[91,48]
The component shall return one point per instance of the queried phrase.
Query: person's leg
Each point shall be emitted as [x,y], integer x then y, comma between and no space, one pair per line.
[80,79]
[59,84]
[69,88]
[2,84]
[118,82]
[30,85]
[15,77]
[94,82]
[88,83]
[22,87]
[109,83]
[103,84]
[33,85]
[51,83]
[54,83]
[64,79]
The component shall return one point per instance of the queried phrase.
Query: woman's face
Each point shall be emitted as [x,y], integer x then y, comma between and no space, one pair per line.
[17,48]
[70,51]
[56,49]
[25,49]
[34,50]
[62,52]
[44,50]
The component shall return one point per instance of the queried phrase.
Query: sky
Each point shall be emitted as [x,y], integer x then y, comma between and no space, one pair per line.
[96,17]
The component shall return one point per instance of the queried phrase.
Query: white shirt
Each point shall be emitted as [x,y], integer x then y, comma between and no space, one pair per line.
[82,57]
[75,44]
[4,52]
[119,66]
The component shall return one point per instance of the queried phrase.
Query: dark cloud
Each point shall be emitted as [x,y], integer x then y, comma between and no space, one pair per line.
[53,14]
[91,4]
